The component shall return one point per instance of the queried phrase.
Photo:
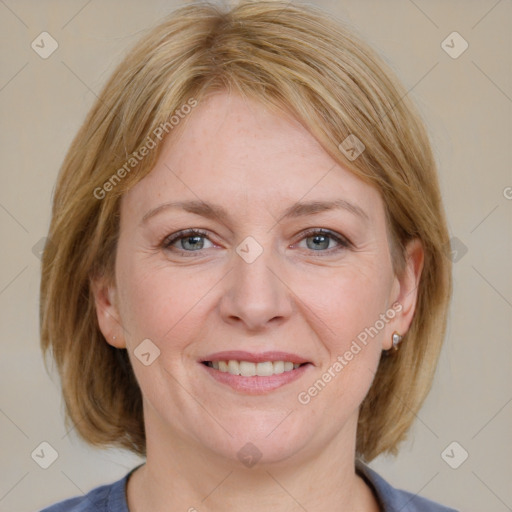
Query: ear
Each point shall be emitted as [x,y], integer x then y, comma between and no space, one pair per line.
[109,320]
[405,290]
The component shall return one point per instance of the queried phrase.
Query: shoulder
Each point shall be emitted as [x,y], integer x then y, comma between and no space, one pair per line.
[392,499]
[106,498]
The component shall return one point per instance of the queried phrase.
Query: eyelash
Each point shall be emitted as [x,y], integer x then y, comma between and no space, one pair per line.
[343,242]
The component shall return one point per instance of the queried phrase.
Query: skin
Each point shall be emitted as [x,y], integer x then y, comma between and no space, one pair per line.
[294,297]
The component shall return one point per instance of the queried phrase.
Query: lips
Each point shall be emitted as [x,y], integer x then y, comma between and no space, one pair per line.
[255,373]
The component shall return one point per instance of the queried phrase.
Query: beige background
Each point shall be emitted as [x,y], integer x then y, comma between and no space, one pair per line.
[467,104]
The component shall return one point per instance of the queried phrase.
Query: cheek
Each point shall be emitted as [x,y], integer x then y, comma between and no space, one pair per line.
[346,301]
[347,306]
[158,302]
[347,309]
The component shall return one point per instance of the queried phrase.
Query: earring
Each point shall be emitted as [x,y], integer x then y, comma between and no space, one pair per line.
[397,338]
[114,338]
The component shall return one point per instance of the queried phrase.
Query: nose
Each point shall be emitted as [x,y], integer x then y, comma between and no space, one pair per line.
[256,295]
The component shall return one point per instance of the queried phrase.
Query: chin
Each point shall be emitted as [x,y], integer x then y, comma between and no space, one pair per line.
[261,442]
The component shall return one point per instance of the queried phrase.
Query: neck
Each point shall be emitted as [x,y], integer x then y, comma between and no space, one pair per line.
[180,474]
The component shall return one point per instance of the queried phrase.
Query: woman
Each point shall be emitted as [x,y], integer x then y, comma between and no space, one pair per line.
[246,282]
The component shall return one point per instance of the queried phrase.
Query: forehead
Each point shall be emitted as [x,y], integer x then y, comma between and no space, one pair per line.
[234,150]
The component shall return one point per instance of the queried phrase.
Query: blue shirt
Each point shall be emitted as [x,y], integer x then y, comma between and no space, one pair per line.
[112,497]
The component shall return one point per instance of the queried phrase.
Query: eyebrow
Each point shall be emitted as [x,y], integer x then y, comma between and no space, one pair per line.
[217,212]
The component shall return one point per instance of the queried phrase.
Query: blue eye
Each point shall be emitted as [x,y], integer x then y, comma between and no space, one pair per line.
[191,240]
[321,240]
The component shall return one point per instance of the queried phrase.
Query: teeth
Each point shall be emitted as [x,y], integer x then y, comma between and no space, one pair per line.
[233,367]
[246,369]
[278,366]
[262,369]
[249,369]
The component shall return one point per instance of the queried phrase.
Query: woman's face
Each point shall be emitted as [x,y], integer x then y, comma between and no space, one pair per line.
[258,279]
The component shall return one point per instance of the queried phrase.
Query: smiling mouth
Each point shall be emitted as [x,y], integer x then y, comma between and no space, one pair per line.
[250,369]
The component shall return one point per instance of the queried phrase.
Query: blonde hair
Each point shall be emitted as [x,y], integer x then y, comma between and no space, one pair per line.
[290,57]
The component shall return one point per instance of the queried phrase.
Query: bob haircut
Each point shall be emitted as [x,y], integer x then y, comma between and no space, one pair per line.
[294,59]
